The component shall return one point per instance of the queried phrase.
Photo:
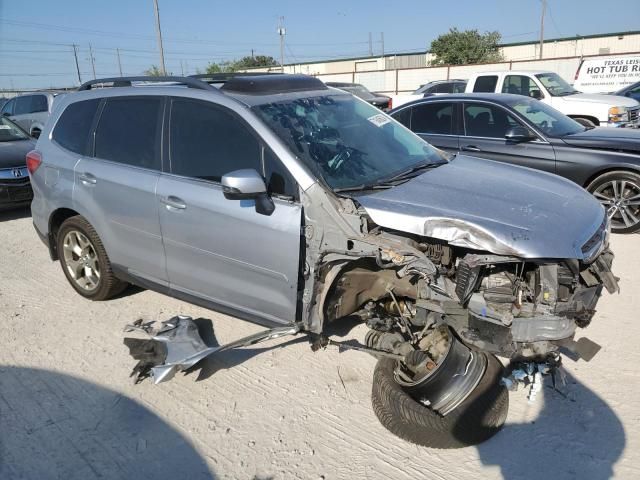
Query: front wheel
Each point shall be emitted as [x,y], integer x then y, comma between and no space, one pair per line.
[619,193]
[475,420]
[85,262]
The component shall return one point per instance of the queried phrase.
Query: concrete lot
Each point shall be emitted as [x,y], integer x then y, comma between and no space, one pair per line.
[68,409]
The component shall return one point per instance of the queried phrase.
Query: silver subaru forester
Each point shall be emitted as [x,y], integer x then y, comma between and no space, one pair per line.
[281,201]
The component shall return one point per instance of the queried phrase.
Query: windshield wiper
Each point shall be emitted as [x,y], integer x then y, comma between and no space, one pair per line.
[412,172]
[364,187]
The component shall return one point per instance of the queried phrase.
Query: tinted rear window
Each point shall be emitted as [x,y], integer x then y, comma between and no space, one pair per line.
[72,129]
[128,131]
[436,118]
[39,103]
[486,83]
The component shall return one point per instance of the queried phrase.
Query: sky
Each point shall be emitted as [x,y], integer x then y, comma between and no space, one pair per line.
[36,36]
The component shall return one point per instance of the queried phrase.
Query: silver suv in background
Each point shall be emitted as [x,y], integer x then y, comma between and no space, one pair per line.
[282,201]
[30,111]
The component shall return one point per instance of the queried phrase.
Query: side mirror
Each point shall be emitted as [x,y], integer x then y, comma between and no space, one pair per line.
[519,134]
[6,114]
[247,184]
[535,93]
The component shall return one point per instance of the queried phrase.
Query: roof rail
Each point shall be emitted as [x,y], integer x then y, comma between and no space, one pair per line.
[226,76]
[127,82]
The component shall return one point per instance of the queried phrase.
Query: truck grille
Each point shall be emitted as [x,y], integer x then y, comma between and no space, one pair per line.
[633,114]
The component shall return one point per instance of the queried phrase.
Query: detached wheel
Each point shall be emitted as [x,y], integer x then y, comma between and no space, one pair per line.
[619,193]
[479,417]
[85,262]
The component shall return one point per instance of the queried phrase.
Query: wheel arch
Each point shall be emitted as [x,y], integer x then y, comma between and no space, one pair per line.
[591,118]
[55,220]
[610,169]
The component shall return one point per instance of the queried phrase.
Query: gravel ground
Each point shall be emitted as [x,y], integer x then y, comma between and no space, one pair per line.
[69,410]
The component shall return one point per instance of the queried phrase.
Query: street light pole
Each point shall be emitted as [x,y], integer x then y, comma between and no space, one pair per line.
[544,8]
[282,32]
[163,70]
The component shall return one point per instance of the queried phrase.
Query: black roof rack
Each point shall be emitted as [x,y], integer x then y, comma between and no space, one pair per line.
[127,82]
[226,76]
[260,84]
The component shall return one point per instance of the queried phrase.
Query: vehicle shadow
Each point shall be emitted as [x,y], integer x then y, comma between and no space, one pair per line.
[230,358]
[577,436]
[54,425]
[15,214]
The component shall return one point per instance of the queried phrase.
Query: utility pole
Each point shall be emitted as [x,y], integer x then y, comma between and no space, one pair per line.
[282,32]
[544,9]
[93,62]
[181,68]
[119,64]
[163,70]
[370,46]
[382,42]
[75,54]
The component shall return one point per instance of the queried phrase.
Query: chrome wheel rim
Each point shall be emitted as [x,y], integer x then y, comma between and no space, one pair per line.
[621,198]
[81,260]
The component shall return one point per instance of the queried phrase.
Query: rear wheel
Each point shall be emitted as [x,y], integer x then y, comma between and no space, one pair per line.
[85,262]
[475,420]
[619,193]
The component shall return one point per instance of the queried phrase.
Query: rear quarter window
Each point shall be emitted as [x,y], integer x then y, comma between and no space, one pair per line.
[486,83]
[73,126]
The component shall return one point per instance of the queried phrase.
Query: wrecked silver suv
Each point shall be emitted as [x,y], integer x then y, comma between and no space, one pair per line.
[329,213]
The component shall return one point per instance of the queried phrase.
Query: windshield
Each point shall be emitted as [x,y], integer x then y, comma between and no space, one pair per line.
[547,119]
[345,141]
[556,85]
[10,132]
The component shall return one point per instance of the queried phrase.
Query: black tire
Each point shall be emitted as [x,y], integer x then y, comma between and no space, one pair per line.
[626,219]
[478,418]
[107,285]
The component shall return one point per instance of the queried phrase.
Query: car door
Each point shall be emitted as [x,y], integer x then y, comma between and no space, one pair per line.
[218,250]
[485,126]
[116,185]
[435,122]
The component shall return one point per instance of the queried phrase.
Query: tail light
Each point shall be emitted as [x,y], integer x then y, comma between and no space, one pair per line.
[390,104]
[34,159]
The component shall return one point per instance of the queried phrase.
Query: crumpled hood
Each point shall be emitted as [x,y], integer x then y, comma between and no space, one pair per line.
[14,154]
[487,205]
[613,100]
[603,137]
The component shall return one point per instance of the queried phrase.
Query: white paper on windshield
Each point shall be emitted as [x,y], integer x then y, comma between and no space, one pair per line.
[379,120]
[5,127]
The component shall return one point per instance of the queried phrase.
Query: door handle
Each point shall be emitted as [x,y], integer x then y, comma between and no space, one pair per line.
[173,203]
[471,148]
[87,178]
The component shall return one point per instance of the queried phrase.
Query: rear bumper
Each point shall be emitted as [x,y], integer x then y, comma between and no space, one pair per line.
[15,194]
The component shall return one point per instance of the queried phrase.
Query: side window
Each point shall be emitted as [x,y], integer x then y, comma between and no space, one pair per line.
[435,117]
[128,132]
[8,107]
[39,103]
[519,85]
[207,141]
[278,179]
[459,87]
[72,129]
[444,88]
[486,83]
[482,120]
[23,105]
[404,117]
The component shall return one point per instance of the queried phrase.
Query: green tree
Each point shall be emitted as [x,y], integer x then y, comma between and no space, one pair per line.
[153,71]
[460,48]
[242,64]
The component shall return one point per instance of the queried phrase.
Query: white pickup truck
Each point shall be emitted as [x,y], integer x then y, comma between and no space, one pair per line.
[550,88]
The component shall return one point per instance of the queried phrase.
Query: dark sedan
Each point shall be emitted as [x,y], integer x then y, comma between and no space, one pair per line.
[15,188]
[523,131]
[375,99]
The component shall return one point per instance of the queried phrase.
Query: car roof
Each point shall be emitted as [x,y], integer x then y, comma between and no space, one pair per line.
[248,88]
[512,72]
[500,98]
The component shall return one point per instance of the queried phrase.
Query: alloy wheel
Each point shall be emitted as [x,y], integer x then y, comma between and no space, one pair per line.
[621,198]
[81,260]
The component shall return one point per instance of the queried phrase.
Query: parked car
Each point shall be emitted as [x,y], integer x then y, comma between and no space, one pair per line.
[15,143]
[632,91]
[526,132]
[360,91]
[607,74]
[548,87]
[30,111]
[437,87]
[285,202]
